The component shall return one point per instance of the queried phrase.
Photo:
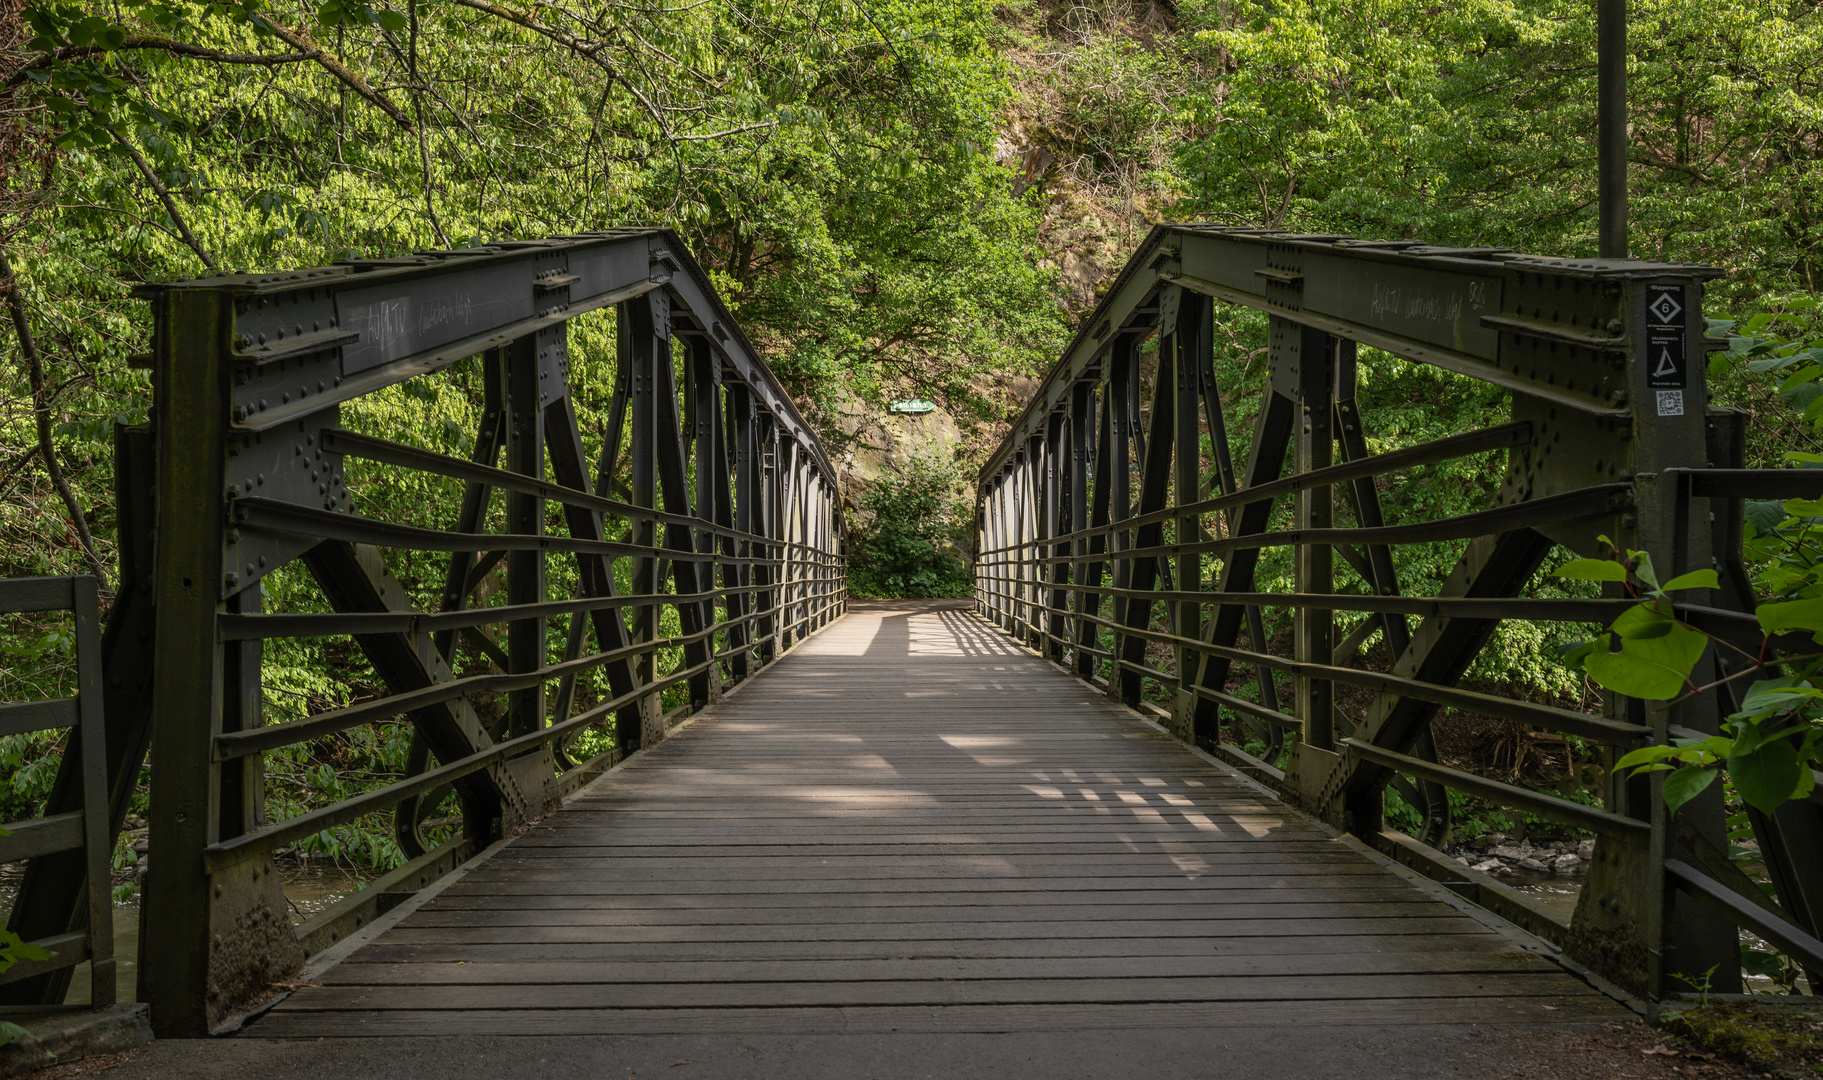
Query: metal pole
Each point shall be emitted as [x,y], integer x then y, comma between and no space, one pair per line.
[1611,138]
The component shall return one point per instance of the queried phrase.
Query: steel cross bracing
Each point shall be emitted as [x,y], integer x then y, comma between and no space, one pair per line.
[699,541]
[1119,536]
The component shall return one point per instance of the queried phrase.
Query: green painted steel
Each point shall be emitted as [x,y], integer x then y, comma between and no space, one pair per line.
[253,469]
[1610,434]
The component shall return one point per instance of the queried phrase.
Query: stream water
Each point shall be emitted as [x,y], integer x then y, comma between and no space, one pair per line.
[1559,892]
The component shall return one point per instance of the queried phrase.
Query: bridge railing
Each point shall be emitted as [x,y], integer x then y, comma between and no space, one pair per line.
[76,840]
[641,519]
[1119,536]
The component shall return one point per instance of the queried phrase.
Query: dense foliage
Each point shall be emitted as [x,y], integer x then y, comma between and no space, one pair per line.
[911,533]
[1773,740]
[831,165]
[897,197]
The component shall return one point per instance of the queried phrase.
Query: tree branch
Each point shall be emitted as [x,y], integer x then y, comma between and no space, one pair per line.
[298,40]
[588,50]
[159,44]
[41,408]
[183,227]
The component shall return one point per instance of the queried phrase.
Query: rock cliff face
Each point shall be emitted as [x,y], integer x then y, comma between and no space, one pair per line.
[876,442]
[1088,133]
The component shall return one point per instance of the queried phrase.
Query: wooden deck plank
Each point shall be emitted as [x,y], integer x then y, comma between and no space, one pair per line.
[615,953]
[300,1023]
[904,969]
[1153,900]
[1377,986]
[911,825]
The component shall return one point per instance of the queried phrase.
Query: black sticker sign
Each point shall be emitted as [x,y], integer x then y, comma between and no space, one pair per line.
[1667,332]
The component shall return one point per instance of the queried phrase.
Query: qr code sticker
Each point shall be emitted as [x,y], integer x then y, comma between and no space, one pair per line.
[1671,403]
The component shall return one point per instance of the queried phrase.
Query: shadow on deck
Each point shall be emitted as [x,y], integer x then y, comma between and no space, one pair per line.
[913,825]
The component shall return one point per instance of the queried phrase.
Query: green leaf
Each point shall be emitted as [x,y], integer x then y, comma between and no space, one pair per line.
[1647,620]
[1572,653]
[1716,746]
[1695,579]
[1791,615]
[11,1032]
[1778,694]
[1645,755]
[1685,784]
[1764,964]
[1653,668]
[1767,776]
[1765,515]
[390,20]
[1747,737]
[1592,570]
[1799,377]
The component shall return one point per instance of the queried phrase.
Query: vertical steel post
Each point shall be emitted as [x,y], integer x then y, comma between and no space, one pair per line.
[766,523]
[1082,434]
[739,515]
[1123,370]
[243,796]
[1100,512]
[788,518]
[1010,522]
[705,416]
[813,534]
[211,937]
[645,343]
[1154,495]
[681,540]
[525,570]
[1009,556]
[1191,346]
[187,695]
[1031,549]
[1051,524]
[1315,449]
[1692,948]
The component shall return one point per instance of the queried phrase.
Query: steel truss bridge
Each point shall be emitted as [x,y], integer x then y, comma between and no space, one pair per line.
[663,776]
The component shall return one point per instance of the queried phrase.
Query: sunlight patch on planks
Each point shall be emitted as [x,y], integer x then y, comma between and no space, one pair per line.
[910,824]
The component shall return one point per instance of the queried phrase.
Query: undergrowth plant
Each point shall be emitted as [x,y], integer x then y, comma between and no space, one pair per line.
[1770,743]
[910,533]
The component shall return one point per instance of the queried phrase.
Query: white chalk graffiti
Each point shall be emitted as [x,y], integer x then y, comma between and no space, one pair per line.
[452,309]
[1427,305]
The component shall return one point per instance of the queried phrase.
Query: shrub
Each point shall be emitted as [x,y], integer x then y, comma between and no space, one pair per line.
[913,525]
